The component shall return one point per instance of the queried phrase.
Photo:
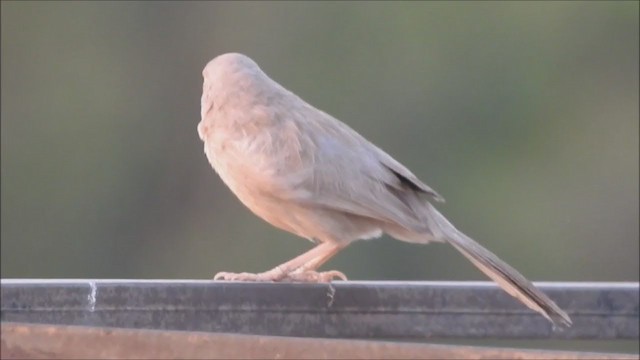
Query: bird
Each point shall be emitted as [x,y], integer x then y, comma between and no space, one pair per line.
[307,173]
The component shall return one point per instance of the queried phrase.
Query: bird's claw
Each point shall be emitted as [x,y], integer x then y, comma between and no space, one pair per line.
[228,276]
[310,276]
[307,276]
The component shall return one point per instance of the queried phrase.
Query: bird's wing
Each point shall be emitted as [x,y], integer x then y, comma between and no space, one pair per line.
[348,173]
[403,178]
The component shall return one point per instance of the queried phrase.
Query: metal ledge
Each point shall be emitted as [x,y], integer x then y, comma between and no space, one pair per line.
[371,310]
[29,341]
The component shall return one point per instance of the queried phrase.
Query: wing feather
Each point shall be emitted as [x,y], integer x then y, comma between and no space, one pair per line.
[348,173]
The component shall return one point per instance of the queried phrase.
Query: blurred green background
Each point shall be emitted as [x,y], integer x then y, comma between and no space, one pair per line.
[523,115]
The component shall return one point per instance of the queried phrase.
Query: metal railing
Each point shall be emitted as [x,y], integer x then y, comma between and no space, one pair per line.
[378,311]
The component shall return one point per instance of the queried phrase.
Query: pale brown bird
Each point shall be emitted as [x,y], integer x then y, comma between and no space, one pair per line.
[304,171]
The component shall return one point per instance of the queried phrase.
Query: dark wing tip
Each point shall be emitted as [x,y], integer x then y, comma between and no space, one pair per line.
[418,187]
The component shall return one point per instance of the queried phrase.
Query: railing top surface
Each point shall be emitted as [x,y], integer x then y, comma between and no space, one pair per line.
[550,284]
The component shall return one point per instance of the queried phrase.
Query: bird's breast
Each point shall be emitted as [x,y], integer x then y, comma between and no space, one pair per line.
[252,160]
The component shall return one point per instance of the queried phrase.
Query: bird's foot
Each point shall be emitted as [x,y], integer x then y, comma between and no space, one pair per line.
[310,276]
[261,277]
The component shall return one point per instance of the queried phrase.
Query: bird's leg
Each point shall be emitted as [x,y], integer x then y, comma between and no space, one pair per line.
[307,272]
[281,272]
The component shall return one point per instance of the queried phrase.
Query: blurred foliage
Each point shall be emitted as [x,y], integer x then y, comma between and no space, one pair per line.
[523,115]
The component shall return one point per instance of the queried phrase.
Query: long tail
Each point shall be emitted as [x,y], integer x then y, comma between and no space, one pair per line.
[502,273]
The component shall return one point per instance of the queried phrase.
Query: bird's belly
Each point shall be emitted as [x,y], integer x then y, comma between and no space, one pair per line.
[314,223]
[266,193]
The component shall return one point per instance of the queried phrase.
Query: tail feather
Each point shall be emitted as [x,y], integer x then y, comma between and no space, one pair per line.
[510,280]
